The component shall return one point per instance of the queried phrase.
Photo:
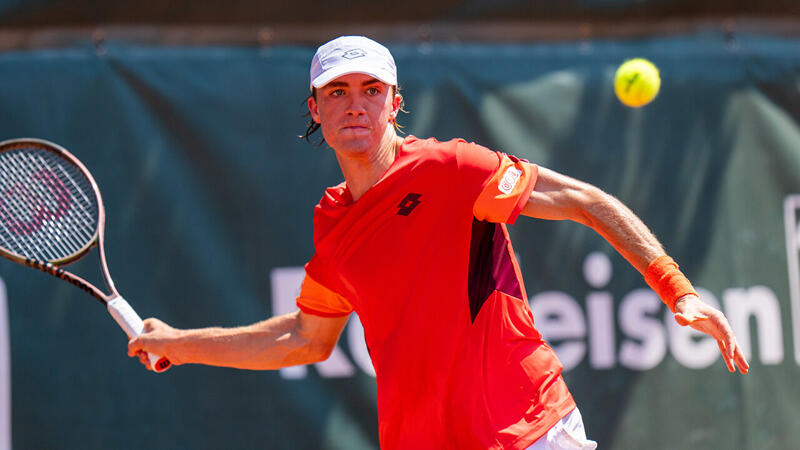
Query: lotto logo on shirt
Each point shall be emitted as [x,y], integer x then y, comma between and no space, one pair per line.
[510,179]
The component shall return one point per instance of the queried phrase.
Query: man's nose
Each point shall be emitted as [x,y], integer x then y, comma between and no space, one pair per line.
[356,106]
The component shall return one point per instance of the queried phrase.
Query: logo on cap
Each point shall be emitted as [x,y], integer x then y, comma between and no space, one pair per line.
[354,53]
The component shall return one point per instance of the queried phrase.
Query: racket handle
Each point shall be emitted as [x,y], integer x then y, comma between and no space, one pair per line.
[133,326]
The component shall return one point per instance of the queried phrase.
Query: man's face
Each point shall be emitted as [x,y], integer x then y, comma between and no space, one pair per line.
[354,112]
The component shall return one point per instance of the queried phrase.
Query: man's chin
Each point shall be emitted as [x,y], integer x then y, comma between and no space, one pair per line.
[353,144]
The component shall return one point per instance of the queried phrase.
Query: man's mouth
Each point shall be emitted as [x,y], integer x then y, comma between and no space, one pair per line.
[356,129]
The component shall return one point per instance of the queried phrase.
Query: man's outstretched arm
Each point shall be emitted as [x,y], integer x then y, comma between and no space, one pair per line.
[559,197]
[287,340]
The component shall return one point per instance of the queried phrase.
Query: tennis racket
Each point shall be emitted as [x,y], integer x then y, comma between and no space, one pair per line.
[51,214]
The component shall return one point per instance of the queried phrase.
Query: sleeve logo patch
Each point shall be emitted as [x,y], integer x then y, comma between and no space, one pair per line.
[510,180]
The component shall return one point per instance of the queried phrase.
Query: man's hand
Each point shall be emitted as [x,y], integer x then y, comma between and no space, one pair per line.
[154,339]
[690,310]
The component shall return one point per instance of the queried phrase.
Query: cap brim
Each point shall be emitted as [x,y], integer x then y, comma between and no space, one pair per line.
[336,72]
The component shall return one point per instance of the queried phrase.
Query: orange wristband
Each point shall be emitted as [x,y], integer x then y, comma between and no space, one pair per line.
[663,276]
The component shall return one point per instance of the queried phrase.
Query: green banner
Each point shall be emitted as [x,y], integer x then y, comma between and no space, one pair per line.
[210,194]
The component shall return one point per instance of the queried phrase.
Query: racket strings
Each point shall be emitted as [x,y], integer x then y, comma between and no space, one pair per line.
[56,244]
[35,209]
[82,233]
[16,216]
[48,210]
[75,230]
[10,183]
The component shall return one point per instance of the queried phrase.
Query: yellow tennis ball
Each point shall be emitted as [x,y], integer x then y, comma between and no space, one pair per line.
[637,82]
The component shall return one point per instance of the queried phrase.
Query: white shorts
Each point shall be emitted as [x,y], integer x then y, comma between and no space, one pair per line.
[566,434]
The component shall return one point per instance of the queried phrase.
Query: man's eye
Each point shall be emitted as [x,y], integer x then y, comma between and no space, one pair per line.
[373,91]
[337,92]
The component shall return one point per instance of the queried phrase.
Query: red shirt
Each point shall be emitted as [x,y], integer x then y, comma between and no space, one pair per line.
[425,260]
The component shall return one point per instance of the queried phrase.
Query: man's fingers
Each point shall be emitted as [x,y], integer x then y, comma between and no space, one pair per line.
[144,359]
[726,340]
[717,326]
[731,351]
[741,362]
[725,334]
[134,347]
[135,350]
[725,357]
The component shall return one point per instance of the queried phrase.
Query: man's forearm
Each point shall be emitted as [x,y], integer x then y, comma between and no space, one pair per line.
[269,344]
[559,197]
[624,231]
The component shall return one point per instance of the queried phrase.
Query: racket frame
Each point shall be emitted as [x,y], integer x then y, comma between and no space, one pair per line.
[55,267]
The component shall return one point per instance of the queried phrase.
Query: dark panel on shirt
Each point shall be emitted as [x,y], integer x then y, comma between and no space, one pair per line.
[490,265]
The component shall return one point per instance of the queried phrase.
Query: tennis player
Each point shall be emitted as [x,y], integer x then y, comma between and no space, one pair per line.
[414,240]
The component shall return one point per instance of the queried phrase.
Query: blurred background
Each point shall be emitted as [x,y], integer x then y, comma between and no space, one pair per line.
[188,112]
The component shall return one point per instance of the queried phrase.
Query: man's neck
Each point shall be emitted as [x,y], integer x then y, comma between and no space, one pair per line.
[362,172]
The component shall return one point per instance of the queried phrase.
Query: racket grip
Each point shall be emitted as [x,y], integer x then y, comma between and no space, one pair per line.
[133,326]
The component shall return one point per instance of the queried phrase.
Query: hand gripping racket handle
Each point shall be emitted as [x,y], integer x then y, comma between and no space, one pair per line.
[127,318]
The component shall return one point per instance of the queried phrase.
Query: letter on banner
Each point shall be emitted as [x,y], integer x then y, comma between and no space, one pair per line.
[790,206]
[286,283]
[560,320]
[759,302]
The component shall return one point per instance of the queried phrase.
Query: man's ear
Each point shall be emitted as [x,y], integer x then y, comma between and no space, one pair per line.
[313,108]
[397,102]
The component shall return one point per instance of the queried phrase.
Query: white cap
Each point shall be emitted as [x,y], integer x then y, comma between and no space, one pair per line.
[352,54]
